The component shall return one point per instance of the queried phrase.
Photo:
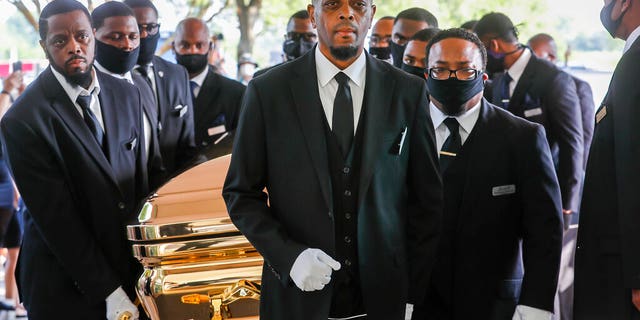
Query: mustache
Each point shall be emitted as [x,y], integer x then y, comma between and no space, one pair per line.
[74,57]
[346,25]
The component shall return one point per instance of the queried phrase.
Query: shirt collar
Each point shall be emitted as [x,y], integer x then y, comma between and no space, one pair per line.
[631,39]
[326,70]
[126,76]
[72,90]
[199,79]
[466,120]
[516,70]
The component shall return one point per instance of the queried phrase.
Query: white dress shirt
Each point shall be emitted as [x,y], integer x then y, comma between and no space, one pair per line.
[631,39]
[146,121]
[199,80]
[328,85]
[466,120]
[516,70]
[73,91]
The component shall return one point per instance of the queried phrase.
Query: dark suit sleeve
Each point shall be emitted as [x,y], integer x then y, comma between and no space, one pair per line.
[244,191]
[588,115]
[625,106]
[566,122]
[541,222]
[238,93]
[425,202]
[142,169]
[41,181]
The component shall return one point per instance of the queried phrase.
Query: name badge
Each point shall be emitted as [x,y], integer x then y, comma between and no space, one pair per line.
[216,130]
[503,190]
[532,112]
[601,114]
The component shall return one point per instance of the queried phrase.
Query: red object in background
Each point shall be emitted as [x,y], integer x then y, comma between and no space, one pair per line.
[4,69]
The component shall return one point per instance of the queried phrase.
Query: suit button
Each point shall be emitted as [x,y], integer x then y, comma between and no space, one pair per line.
[121,205]
[347,239]
[347,193]
[347,215]
[330,214]
[347,262]
[346,170]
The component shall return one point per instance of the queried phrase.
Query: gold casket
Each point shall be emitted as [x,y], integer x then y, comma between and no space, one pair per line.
[197,265]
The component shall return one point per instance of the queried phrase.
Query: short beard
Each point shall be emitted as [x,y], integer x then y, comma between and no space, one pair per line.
[82,79]
[344,53]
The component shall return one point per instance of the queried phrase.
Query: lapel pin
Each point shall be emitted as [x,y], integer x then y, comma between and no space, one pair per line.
[161,74]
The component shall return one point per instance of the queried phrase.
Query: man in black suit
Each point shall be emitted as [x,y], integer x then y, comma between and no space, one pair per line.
[216,99]
[300,38]
[544,47]
[117,48]
[379,42]
[537,91]
[607,274]
[170,84]
[405,25]
[341,141]
[501,195]
[74,142]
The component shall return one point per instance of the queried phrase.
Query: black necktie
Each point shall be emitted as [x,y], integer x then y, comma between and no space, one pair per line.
[193,86]
[90,119]
[505,96]
[343,114]
[144,72]
[452,145]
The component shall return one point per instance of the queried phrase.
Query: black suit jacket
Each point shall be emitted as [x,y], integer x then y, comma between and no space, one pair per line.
[607,256]
[75,251]
[217,106]
[155,168]
[509,196]
[176,116]
[280,144]
[546,95]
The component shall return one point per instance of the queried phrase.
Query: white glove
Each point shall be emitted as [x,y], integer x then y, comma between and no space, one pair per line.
[408,311]
[118,303]
[312,269]
[528,313]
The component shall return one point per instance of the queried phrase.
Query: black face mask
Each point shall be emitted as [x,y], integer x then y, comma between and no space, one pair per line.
[114,59]
[382,53]
[495,63]
[194,63]
[294,49]
[416,71]
[148,47]
[397,52]
[454,93]
[608,23]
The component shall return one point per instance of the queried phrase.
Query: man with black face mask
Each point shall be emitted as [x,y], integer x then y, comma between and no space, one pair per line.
[117,48]
[170,85]
[75,147]
[414,60]
[379,42]
[216,99]
[538,91]
[607,270]
[500,192]
[406,24]
[300,38]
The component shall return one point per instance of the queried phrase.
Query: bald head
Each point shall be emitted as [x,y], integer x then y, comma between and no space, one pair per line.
[191,45]
[544,47]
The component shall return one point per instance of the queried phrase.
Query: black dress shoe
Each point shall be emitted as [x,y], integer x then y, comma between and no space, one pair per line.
[6,306]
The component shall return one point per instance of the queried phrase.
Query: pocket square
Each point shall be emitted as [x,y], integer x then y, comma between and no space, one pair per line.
[132,144]
[398,142]
[532,112]
[503,190]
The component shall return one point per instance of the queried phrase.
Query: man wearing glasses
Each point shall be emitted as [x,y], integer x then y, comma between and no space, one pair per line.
[500,191]
[300,38]
[170,83]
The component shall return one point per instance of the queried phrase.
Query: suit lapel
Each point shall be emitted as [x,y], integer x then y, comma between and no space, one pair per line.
[375,107]
[72,118]
[158,74]
[203,103]
[304,88]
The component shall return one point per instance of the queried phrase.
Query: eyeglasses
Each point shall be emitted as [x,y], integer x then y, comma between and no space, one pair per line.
[466,74]
[307,36]
[151,28]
